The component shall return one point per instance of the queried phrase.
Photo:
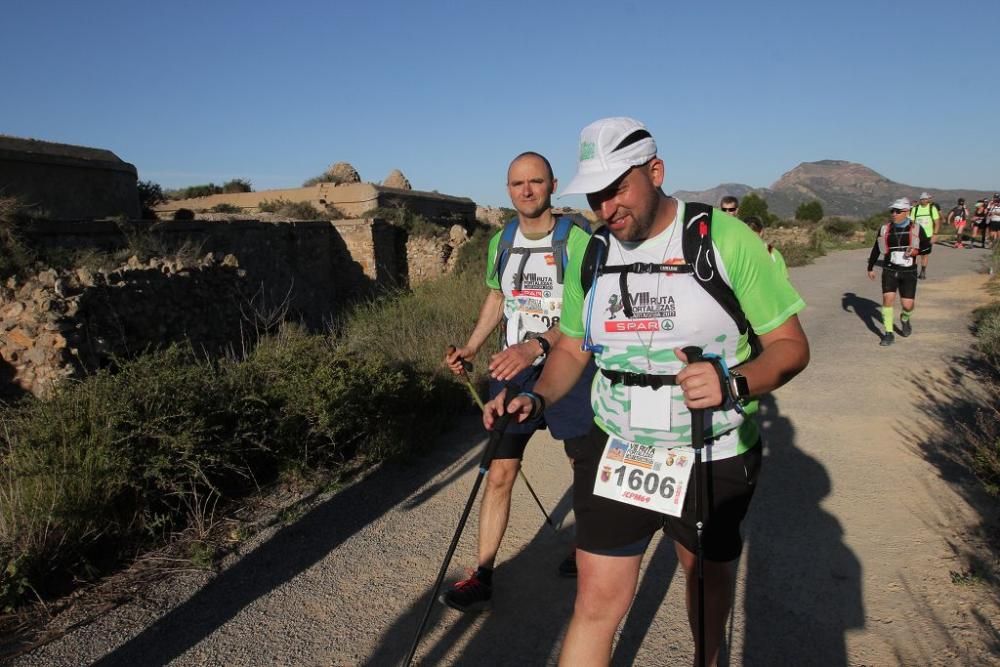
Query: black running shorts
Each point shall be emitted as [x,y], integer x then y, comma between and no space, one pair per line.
[995,225]
[609,527]
[903,280]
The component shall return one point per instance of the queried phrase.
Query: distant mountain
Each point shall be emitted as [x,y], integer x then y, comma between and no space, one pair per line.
[843,188]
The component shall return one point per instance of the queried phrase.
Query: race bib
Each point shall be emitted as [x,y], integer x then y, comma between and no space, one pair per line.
[900,258]
[650,408]
[655,478]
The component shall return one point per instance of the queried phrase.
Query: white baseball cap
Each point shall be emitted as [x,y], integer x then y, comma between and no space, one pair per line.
[608,148]
[901,203]
[926,195]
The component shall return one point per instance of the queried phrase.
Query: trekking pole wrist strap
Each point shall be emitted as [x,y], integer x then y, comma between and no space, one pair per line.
[729,399]
[537,404]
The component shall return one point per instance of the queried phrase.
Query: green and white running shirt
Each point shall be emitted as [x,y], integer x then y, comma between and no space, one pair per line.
[673,311]
[536,307]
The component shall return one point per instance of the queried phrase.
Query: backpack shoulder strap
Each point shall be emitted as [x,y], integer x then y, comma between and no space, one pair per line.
[696,240]
[504,247]
[594,258]
[560,244]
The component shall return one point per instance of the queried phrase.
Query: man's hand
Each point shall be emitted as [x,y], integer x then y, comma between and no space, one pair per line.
[505,365]
[871,275]
[453,358]
[700,383]
[520,409]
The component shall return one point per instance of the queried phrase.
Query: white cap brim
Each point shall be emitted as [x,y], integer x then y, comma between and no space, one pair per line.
[585,184]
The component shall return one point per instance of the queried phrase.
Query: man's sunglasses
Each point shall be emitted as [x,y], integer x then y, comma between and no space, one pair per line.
[897,211]
[729,210]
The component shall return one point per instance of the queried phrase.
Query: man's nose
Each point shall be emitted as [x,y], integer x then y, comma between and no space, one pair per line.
[608,207]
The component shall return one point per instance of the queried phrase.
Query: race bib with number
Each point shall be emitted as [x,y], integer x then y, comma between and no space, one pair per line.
[655,478]
[900,258]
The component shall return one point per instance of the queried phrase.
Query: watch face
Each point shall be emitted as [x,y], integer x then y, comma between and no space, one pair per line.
[742,386]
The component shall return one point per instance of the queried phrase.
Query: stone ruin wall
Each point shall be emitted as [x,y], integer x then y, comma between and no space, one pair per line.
[223,283]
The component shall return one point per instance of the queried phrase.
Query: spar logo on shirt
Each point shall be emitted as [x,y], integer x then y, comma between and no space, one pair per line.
[649,313]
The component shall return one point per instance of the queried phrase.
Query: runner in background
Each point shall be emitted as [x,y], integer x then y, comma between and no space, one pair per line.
[927,214]
[958,216]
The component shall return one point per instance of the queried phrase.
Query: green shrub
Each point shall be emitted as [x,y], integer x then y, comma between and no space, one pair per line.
[289,209]
[842,227]
[413,223]
[811,211]
[225,208]
[17,256]
[183,214]
[150,195]
[122,461]
[237,185]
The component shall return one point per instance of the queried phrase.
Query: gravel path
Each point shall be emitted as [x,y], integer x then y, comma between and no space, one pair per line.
[855,536]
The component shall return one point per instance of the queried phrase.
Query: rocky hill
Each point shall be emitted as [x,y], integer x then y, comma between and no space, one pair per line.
[843,188]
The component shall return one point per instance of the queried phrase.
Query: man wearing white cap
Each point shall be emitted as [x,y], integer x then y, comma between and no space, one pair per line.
[899,241]
[927,214]
[632,312]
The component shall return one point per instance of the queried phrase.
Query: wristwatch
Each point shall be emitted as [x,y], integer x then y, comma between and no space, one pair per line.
[546,345]
[738,386]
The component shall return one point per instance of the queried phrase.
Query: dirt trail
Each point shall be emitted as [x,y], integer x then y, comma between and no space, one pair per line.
[853,542]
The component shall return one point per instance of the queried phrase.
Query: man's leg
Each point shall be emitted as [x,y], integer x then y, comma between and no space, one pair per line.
[476,592]
[888,298]
[495,510]
[718,599]
[904,318]
[604,592]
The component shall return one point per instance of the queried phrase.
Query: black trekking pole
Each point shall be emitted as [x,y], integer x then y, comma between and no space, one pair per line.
[466,370]
[698,442]
[484,465]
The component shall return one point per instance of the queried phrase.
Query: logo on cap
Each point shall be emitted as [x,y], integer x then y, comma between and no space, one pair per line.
[586,150]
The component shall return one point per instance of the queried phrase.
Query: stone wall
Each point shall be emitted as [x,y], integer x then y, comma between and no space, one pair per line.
[215,285]
[351,200]
[61,324]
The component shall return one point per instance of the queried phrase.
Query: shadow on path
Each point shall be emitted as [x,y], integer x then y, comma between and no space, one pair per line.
[531,605]
[803,585]
[290,551]
[869,311]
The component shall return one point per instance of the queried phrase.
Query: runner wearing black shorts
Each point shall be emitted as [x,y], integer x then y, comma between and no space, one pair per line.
[899,242]
[631,315]
[525,294]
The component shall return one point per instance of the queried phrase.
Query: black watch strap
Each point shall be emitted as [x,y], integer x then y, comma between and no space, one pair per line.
[546,345]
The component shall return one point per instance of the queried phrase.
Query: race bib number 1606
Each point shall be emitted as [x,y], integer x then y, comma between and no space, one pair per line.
[655,478]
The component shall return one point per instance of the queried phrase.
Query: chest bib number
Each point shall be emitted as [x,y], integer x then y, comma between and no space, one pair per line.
[654,478]
[900,258]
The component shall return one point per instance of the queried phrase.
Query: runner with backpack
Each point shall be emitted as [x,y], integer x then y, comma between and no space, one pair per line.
[662,275]
[958,216]
[979,223]
[525,272]
[927,214]
[899,241]
[993,220]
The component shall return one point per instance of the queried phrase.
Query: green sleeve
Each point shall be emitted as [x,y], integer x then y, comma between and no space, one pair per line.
[766,296]
[493,282]
[779,262]
[571,317]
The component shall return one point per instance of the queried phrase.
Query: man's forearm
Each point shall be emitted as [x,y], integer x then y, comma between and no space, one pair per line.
[562,369]
[490,315]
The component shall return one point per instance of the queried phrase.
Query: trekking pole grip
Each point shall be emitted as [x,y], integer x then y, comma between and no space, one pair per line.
[695,354]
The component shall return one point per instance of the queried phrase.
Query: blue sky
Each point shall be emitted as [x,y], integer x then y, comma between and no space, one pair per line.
[449,92]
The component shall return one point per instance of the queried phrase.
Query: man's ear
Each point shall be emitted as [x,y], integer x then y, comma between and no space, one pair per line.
[657,172]
[555,184]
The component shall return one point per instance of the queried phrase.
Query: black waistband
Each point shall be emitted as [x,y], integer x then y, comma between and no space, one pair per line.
[639,379]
